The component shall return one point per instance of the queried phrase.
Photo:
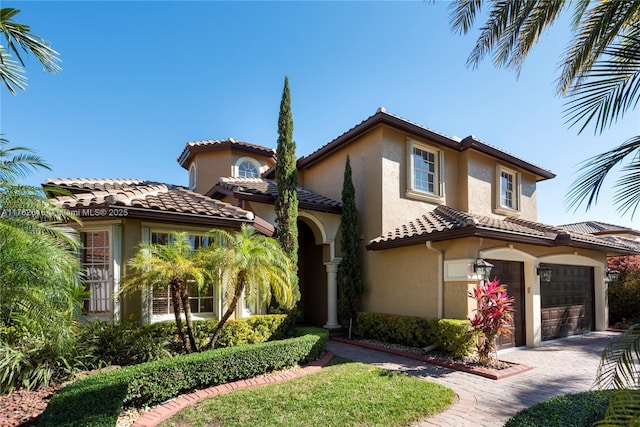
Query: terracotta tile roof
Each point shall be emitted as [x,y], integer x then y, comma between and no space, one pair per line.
[597,227]
[221,144]
[383,117]
[266,190]
[144,198]
[444,223]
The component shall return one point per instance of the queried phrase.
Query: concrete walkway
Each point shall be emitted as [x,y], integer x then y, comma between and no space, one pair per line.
[559,367]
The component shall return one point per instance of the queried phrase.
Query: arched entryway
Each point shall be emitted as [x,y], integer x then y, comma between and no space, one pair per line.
[312,276]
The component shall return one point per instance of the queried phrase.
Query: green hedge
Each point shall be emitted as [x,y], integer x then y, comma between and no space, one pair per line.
[98,400]
[570,410]
[450,335]
[250,330]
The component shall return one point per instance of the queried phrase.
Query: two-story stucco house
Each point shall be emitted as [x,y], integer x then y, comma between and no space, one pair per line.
[430,207]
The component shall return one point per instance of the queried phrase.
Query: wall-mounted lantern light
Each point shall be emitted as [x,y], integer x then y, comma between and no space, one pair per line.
[612,275]
[545,274]
[482,269]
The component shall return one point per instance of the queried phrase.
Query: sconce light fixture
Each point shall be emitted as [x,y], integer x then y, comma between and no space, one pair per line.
[545,274]
[482,269]
[612,275]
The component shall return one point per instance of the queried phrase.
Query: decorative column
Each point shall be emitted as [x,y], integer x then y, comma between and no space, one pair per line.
[332,296]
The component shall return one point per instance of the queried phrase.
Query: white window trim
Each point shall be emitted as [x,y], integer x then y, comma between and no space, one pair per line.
[193,177]
[113,235]
[147,298]
[254,162]
[499,207]
[413,193]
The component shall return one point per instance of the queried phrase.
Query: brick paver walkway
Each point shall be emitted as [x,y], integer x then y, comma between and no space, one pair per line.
[559,367]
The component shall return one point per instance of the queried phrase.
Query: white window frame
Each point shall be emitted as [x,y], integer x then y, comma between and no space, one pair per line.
[500,207]
[147,309]
[437,196]
[113,274]
[241,160]
[193,178]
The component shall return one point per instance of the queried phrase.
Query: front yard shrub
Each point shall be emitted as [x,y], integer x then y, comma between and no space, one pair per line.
[105,343]
[450,335]
[624,299]
[250,330]
[570,410]
[405,330]
[453,336]
[98,400]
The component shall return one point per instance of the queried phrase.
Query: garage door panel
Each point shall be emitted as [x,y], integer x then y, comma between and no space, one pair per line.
[567,302]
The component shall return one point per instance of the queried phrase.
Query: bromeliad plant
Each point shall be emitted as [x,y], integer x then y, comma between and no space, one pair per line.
[492,319]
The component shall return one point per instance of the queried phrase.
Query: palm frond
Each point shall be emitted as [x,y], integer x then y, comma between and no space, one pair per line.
[620,361]
[20,35]
[596,28]
[623,411]
[463,13]
[610,88]
[594,171]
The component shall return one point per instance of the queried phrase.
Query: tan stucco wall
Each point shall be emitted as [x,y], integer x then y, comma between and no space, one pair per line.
[211,166]
[402,281]
[482,187]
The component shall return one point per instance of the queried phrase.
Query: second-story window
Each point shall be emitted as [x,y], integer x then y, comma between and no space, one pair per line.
[425,175]
[247,170]
[192,177]
[424,167]
[507,191]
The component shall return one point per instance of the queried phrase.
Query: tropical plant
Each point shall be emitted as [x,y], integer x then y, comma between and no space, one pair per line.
[492,318]
[349,277]
[600,73]
[286,205]
[40,290]
[251,264]
[174,265]
[19,37]
[620,370]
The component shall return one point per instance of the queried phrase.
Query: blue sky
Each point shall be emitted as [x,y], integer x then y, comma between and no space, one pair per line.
[141,79]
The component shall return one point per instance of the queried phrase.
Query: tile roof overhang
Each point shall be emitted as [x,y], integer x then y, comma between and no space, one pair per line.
[444,223]
[266,191]
[151,201]
[599,228]
[381,117]
[192,148]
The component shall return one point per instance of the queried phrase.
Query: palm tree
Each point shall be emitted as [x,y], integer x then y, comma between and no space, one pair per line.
[20,36]
[175,265]
[253,264]
[40,290]
[600,75]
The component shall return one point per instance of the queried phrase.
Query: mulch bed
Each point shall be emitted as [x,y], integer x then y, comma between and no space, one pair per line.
[22,408]
[505,370]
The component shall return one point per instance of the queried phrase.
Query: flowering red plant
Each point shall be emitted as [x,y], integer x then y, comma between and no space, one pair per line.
[492,318]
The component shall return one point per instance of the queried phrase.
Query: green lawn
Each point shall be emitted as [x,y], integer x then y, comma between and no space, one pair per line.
[343,394]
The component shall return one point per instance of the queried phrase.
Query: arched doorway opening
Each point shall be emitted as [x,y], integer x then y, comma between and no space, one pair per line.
[312,277]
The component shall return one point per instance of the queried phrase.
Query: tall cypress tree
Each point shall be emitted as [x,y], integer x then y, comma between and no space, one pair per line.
[287,178]
[349,280]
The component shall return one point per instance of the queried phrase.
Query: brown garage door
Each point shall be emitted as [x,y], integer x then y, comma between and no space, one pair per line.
[510,273]
[567,302]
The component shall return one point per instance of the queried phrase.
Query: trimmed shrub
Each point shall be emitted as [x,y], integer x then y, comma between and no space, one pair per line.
[453,336]
[404,330]
[251,330]
[450,335]
[98,400]
[570,410]
[624,299]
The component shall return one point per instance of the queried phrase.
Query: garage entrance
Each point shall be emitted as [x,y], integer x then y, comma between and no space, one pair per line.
[567,302]
[510,273]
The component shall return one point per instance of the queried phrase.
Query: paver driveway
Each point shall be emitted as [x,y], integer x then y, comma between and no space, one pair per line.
[559,367]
